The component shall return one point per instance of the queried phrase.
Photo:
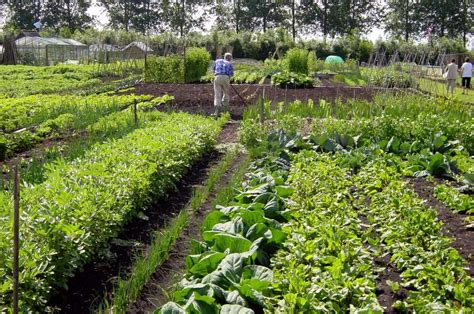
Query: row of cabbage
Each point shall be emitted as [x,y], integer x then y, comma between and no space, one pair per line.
[68,218]
[26,121]
[228,271]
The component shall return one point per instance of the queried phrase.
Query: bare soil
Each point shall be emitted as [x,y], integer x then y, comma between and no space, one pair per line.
[88,288]
[385,296]
[454,226]
[199,98]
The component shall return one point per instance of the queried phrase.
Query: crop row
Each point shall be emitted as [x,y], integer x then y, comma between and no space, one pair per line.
[343,225]
[113,126]
[18,80]
[228,272]
[67,219]
[354,219]
[41,116]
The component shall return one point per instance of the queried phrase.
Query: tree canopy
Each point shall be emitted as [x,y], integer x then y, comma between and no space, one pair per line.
[404,19]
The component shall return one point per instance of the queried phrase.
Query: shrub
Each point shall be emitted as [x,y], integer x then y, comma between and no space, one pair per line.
[196,63]
[312,61]
[297,60]
[165,70]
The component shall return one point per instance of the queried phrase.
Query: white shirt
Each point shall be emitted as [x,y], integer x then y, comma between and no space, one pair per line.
[466,69]
[452,71]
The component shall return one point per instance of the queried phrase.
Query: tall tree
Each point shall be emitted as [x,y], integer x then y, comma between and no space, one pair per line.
[467,20]
[320,16]
[180,16]
[267,13]
[139,15]
[451,18]
[66,13]
[339,17]
[403,18]
[23,16]
[357,14]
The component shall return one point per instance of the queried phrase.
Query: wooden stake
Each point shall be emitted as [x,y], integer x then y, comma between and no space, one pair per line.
[16,237]
[135,114]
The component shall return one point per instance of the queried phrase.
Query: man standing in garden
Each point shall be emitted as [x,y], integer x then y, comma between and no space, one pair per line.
[223,71]
[450,76]
[466,74]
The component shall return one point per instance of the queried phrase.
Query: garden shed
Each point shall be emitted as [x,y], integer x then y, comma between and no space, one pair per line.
[137,50]
[50,50]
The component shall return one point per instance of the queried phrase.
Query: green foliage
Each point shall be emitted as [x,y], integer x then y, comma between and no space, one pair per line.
[451,197]
[350,79]
[82,204]
[297,60]
[231,271]
[20,80]
[293,80]
[128,290]
[196,64]
[165,70]
[389,78]
[40,116]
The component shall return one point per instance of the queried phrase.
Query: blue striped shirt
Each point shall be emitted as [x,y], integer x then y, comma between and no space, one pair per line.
[223,67]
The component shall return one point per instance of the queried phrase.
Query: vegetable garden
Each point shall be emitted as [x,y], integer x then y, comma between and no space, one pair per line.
[352,193]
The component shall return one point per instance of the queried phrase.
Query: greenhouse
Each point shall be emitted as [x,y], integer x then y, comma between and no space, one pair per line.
[37,50]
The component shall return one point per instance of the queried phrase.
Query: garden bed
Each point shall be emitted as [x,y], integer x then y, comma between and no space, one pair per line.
[199,98]
[98,277]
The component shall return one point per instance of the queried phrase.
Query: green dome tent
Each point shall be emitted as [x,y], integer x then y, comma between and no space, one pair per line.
[333,60]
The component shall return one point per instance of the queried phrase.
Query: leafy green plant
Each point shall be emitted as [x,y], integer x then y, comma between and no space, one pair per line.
[165,70]
[127,291]
[68,218]
[389,78]
[293,80]
[196,63]
[460,203]
[41,116]
[230,270]
[297,60]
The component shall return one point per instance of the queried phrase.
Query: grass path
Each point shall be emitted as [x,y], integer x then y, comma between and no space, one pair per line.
[439,88]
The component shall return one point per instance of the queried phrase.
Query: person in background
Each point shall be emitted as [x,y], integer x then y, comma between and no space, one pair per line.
[223,71]
[466,74]
[450,76]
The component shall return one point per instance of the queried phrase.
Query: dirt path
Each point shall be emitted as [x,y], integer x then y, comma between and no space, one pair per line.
[87,288]
[154,293]
[454,226]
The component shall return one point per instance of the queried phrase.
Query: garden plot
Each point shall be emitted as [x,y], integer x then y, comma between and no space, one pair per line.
[199,98]
[82,204]
[341,228]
